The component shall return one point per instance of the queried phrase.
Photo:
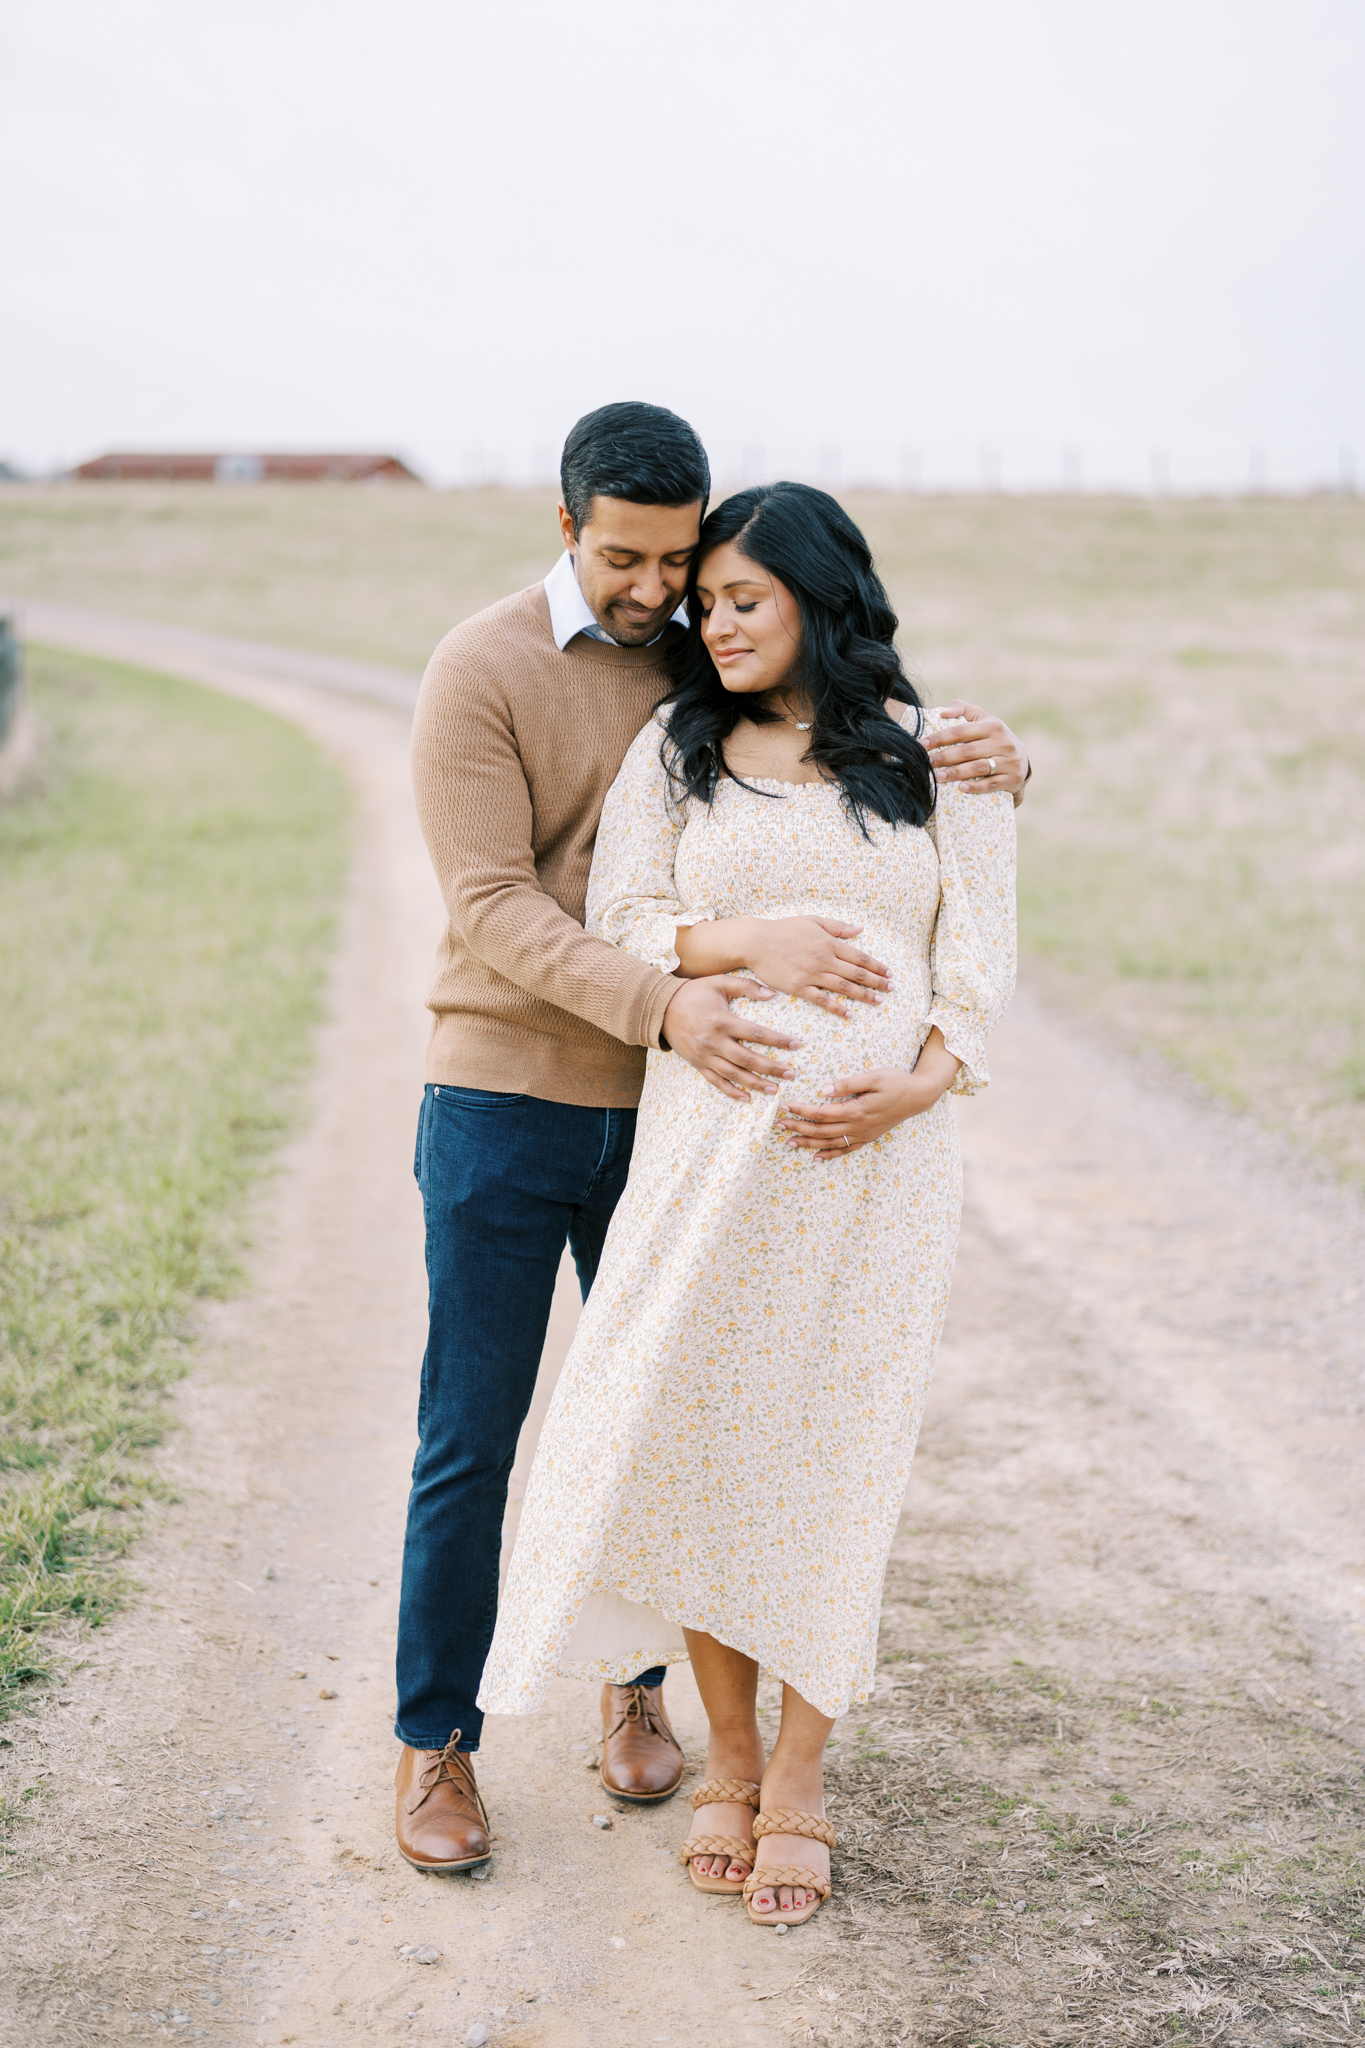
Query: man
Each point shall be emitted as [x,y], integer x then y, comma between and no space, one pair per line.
[537,1059]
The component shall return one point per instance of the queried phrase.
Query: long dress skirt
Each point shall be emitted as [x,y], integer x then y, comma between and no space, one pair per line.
[730,1441]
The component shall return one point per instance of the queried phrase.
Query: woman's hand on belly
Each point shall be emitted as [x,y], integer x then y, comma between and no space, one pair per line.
[809,957]
[863,1107]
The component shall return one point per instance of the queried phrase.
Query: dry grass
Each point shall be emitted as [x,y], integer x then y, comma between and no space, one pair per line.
[1111,1785]
[165,922]
[1206,1876]
[375,574]
[1190,677]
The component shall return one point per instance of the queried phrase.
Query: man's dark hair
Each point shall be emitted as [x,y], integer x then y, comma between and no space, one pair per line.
[643,453]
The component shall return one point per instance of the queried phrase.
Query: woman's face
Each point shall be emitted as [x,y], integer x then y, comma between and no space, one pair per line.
[750,622]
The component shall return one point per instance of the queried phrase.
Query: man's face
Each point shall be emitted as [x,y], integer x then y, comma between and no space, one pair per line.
[632,563]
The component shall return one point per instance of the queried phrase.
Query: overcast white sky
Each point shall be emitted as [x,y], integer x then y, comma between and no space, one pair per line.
[884,239]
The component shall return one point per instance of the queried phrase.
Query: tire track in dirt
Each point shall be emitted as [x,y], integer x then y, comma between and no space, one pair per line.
[1140,1478]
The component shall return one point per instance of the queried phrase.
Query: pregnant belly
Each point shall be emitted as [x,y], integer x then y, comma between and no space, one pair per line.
[886,1034]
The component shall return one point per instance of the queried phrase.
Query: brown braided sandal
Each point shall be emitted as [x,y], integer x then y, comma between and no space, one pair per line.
[739,1792]
[786,1821]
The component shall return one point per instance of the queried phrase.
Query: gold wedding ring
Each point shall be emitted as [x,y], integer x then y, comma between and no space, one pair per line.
[990,765]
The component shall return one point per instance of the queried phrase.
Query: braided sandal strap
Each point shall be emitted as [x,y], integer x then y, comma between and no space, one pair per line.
[737,1791]
[728,1846]
[787,1821]
[786,1873]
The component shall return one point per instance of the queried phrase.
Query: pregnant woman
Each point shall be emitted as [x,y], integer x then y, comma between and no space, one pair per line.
[724,1462]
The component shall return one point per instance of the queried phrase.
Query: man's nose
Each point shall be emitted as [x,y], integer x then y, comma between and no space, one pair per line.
[649,589]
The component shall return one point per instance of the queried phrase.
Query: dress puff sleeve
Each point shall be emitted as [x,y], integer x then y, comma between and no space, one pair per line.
[973,955]
[633,899]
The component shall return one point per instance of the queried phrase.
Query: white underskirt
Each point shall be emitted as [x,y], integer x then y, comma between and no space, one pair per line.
[612,1632]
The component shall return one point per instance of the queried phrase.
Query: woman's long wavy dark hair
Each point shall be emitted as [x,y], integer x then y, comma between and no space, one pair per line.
[848,665]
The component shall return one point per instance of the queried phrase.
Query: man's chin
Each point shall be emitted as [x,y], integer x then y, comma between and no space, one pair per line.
[627,634]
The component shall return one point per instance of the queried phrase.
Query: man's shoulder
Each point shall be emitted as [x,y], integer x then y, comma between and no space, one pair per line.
[515,626]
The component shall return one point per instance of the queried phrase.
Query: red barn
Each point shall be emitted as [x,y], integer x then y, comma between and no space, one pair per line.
[133,466]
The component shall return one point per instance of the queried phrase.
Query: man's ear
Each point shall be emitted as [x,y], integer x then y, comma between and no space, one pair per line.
[566,527]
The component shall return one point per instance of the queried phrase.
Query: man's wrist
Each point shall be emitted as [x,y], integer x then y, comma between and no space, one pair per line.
[677,983]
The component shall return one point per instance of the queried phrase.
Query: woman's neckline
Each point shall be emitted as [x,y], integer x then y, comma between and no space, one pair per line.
[777,782]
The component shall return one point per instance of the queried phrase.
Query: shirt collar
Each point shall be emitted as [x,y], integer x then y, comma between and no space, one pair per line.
[570,612]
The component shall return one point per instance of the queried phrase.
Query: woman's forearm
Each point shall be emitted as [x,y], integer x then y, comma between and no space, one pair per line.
[810,957]
[721,945]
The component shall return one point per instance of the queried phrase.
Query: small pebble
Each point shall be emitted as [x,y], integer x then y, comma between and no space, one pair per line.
[480,1873]
[298,1674]
[781,1927]
[326,1692]
[316,1817]
[426,1954]
[476,2036]
[617,1941]
[601,1820]
[351,1940]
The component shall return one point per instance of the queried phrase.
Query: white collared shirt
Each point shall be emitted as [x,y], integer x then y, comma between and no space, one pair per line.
[570,612]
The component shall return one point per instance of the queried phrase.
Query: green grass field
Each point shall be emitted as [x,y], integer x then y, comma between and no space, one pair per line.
[167,892]
[1190,677]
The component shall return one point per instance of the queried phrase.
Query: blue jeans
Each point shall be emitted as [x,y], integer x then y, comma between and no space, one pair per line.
[505,1180]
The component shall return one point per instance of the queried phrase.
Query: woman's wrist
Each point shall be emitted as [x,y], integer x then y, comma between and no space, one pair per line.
[716,946]
[934,1072]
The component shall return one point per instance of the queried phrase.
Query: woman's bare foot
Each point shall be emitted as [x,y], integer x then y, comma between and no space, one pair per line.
[728,1683]
[722,1817]
[797,1787]
[736,1758]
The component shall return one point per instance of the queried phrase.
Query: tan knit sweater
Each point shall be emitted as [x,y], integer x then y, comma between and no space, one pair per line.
[514,748]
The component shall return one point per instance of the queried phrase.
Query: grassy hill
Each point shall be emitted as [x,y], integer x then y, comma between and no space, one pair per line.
[1190,676]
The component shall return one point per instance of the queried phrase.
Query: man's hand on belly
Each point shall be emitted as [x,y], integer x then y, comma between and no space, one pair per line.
[864,1107]
[701,1028]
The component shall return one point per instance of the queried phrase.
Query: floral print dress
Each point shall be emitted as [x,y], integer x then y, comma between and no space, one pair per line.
[730,1440]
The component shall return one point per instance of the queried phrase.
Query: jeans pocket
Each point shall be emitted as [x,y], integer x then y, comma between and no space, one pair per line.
[477,1098]
[417,1149]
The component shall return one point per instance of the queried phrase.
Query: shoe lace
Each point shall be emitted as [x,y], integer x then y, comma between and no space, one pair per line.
[638,1707]
[447,1766]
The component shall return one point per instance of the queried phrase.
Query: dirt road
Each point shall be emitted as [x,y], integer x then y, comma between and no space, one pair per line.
[1111,1780]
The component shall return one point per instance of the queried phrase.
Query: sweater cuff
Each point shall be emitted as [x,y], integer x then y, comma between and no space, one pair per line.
[659,1000]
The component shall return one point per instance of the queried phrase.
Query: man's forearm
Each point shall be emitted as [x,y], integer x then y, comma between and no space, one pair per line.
[529,939]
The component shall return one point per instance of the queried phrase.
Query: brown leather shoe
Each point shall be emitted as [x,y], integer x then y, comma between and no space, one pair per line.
[640,1754]
[442,1824]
